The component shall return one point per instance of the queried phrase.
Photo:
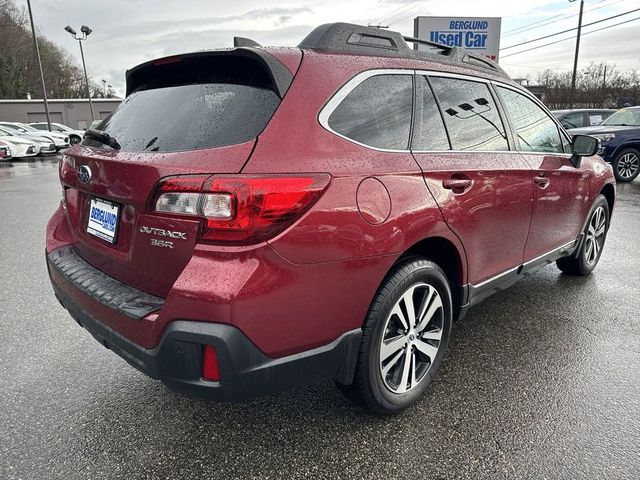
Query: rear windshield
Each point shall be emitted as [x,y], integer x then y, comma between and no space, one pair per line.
[193,104]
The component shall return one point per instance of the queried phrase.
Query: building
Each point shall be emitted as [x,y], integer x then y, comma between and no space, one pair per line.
[74,112]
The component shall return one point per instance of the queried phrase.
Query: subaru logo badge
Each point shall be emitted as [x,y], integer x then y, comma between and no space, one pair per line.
[84,174]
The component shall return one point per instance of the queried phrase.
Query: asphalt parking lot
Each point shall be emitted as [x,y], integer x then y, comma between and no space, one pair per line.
[540,381]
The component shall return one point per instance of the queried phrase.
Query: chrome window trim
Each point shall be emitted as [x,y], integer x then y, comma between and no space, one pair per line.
[339,96]
[544,108]
[346,89]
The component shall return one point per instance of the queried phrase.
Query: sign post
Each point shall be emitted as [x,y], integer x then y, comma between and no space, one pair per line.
[480,34]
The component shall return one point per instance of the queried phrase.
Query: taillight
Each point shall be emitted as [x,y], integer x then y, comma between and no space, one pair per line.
[239,209]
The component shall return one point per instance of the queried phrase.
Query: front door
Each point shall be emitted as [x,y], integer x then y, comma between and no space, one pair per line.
[561,190]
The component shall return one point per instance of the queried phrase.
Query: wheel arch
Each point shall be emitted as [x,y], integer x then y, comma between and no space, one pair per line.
[450,258]
[634,144]
[609,192]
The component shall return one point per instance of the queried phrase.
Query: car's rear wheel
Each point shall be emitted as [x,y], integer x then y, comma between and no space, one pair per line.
[585,260]
[626,165]
[405,335]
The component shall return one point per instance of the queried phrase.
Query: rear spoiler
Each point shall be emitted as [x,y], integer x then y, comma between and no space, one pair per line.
[280,75]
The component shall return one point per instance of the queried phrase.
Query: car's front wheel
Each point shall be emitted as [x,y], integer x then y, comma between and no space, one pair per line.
[74,139]
[586,258]
[405,335]
[626,165]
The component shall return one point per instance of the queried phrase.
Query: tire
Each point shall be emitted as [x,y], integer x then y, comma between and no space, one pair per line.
[74,139]
[626,165]
[413,351]
[585,260]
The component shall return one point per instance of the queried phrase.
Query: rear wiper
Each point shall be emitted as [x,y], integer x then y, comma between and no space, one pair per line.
[103,137]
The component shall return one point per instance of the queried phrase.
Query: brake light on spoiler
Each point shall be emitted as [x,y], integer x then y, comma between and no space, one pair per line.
[239,210]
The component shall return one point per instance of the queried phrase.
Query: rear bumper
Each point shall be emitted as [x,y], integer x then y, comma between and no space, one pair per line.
[245,372]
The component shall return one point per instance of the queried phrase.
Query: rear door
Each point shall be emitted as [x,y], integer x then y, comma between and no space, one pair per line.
[561,190]
[483,189]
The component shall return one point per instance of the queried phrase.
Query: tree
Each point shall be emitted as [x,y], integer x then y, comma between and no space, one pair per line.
[19,72]
[599,85]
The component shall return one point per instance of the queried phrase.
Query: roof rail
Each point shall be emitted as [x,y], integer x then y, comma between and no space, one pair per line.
[364,40]
[446,48]
[350,38]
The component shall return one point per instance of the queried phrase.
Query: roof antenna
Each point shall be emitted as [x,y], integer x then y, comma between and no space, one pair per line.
[377,26]
[244,42]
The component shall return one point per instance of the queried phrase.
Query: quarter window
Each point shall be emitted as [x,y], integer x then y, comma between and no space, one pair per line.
[470,115]
[535,130]
[377,112]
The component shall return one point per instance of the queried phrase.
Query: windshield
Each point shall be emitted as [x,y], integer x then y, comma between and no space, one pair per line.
[191,106]
[60,128]
[4,133]
[28,128]
[626,116]
[11,130]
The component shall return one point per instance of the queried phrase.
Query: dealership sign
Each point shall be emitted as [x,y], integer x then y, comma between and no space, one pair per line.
[481,35]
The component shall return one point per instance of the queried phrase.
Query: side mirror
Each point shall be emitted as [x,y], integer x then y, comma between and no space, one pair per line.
[583,146]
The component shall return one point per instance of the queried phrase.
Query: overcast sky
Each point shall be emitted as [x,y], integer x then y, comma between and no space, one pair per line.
[128,32]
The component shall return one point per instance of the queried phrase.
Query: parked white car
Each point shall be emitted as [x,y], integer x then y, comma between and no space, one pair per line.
[20,147]
[5,151]
[75,136]
[59,140]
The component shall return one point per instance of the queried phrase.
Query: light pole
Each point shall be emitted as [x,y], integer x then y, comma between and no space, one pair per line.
[575,58]
[85,33]
[44,88]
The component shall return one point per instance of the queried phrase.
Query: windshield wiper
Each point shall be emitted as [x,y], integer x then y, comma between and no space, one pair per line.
[617,125]
[103,137]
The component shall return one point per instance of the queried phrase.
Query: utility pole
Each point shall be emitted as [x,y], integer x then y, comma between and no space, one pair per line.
[44,88]
[575,58]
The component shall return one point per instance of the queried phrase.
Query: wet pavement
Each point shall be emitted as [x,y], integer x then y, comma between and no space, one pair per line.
[540,381]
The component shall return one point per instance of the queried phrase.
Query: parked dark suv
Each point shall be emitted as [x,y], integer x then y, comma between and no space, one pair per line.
[620,142]
[255,218]
[586,117]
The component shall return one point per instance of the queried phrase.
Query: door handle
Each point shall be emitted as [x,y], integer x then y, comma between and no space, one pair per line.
[456,184]
[542,182]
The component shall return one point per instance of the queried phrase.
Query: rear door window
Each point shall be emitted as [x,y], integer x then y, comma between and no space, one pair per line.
[534,129]
[377,112]
[193,105]
[470,115]
[429,133]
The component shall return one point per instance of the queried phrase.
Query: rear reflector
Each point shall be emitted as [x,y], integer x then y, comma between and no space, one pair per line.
[240,210]
[210,367]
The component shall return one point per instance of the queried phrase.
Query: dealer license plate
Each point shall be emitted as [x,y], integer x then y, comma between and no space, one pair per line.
[103,219]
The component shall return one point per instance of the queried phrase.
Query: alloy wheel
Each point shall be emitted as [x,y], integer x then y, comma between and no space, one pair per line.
[595,236]
[411,338]
[628,165]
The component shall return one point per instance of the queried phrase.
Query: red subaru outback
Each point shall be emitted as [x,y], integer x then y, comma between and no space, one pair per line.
[256,218]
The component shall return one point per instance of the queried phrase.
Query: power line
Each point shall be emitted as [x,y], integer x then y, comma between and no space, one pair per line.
[569,30]
[401,7]
[410,14]
[550,20]
[569,38]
